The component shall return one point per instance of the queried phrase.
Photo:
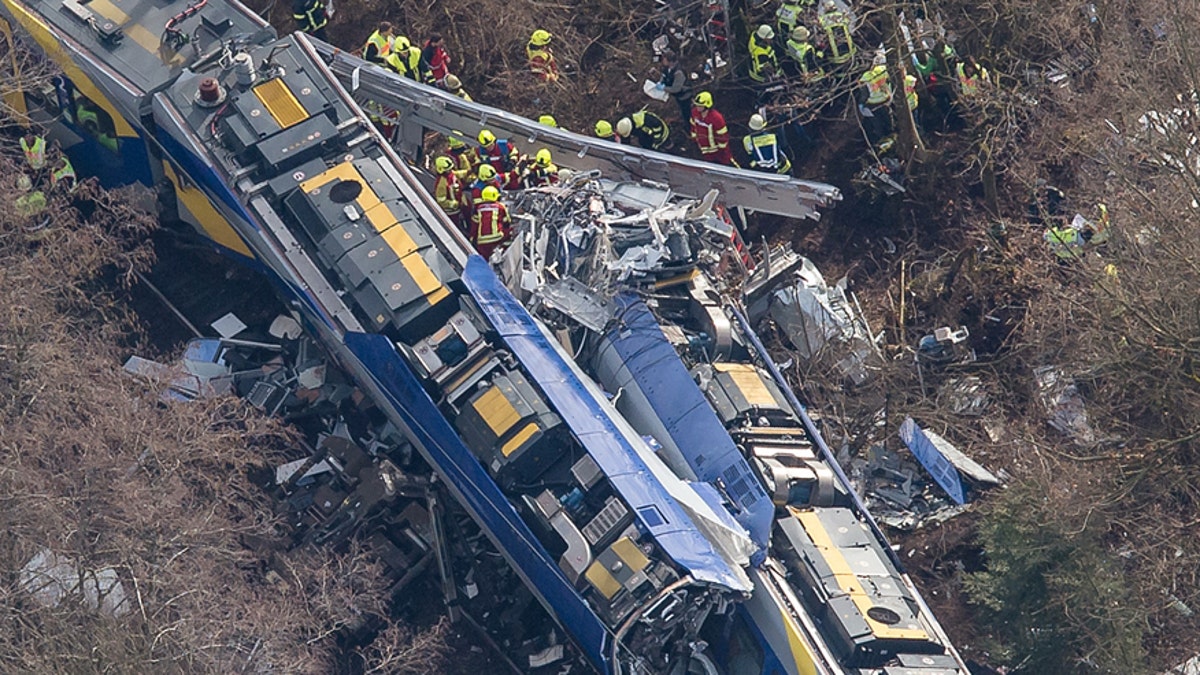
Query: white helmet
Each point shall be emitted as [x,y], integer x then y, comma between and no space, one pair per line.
[765,32]
[757,123]
[24,182]
[624,126]
[880,58]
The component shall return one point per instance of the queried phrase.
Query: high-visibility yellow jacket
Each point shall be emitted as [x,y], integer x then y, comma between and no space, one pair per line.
[879,89]
[762,59]
[35,153]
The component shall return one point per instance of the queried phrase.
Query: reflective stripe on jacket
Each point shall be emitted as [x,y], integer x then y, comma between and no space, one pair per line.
[489,224]
[879,90]
[382,45]
[762,55]
[310,14]
[708,130]
[35,154]
[765,152]
[542,63]
[651,127]
[447,190]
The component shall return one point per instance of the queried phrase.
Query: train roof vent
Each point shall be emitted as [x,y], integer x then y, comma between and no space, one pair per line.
[279,100]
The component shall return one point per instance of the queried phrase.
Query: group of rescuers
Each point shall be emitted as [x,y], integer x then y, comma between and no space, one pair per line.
[47,170]
[470,181]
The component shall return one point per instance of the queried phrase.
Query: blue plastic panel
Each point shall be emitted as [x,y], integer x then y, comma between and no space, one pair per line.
[687,415]
[933,460]
[597,432]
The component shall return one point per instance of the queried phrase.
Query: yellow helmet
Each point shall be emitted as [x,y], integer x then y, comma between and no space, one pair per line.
[543,157]
[800,34]
[455,141]
[453,83]
[604,129]
[443,164]
[401,43]
[540,38]
[490,193]
[548,120]
[486,137]
[486,172]
[624,126]
[703,99]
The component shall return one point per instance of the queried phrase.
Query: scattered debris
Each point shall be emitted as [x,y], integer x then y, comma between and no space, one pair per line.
[965,395]
[1062,402]
[50,578]
[818,320]
[1189,667]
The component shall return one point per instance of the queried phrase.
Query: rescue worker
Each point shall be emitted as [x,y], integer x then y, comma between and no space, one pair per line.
[31,202]
[500,153]
[804,59]
[787,17]
[764,64]
[34,147]
[709,132]
[437,60]
[89,118]
[675,83]
[454,86]
[836,25]
[648,129]
[379,44]
[448,190]
[911,97]
[971,76]
[64,174]
[491,226]
[464,158]
[1097,232]
[543,172]
[311,16]
[406,59]
[1064,241]
[874,98]
[767,149]
[485,176]
[541,57]
[604,129]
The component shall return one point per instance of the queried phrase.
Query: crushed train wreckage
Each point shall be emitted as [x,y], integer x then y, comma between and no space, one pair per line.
[575,510]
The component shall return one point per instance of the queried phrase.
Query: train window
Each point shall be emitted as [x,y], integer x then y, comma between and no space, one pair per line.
[95,122]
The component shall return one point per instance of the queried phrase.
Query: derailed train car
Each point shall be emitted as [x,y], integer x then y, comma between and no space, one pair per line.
[670,342]
[254,144]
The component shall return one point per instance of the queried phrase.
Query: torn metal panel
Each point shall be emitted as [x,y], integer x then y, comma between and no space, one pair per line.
[932,459]
[1060,397]
[426,108]
[816,317]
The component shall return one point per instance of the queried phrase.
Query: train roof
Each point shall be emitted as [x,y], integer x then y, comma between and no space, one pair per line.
[146,42]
